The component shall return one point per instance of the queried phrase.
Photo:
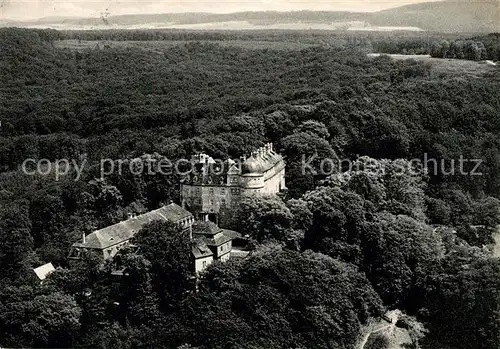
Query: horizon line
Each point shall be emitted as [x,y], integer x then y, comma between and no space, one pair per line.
[217,11]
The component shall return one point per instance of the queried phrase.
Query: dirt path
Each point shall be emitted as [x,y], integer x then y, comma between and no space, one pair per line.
[393,316]
[496,248]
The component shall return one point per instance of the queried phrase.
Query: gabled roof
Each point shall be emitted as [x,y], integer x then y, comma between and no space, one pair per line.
[216,240]
[212,235]
[123,231]
[233,169]
[44,270]
[200,249]
[206,228]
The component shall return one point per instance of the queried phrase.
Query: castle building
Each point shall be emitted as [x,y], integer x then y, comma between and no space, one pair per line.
[212,186]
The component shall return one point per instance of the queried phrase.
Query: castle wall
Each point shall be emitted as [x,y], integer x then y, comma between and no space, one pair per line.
[274,180]
[209,199]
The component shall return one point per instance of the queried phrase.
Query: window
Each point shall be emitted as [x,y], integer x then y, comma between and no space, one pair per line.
[222,190]
[222,248]
[211,202]
[212,191]
[223,202]
[204,264]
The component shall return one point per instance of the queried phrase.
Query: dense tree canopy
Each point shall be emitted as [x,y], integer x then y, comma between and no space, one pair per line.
[282,299]
[360,229]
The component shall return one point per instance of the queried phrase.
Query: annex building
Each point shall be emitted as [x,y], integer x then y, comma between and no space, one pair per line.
[210,242]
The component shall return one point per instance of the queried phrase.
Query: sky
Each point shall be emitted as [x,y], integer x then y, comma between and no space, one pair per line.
[32,9]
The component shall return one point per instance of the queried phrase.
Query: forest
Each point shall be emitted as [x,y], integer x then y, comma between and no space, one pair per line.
[337,251]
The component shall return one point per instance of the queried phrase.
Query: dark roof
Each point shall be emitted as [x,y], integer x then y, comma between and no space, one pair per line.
[123,231]
[200,249]
[231,234]
[206,228]
[212,234]
[216,240]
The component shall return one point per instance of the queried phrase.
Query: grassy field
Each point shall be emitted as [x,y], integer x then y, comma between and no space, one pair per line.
[162,44]
[447,66]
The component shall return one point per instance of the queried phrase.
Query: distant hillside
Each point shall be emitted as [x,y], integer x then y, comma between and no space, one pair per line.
[445,16]
[260,17]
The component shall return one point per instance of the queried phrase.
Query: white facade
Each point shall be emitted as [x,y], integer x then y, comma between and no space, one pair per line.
[201,264]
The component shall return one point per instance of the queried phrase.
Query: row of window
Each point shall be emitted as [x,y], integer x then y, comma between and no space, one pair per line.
[210,202]
[222,202]
[212,191]
[222,191]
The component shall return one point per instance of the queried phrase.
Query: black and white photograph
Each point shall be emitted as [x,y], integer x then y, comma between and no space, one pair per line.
[263,174]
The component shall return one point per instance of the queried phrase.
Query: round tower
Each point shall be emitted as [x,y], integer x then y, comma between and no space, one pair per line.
[252,174]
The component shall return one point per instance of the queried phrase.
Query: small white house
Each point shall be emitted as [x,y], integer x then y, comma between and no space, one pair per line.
[44,270]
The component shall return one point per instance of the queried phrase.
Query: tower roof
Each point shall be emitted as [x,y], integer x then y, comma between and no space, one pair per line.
[252,165]
[261,161]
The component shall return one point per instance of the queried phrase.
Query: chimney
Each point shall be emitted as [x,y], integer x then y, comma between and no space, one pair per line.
[83,238]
